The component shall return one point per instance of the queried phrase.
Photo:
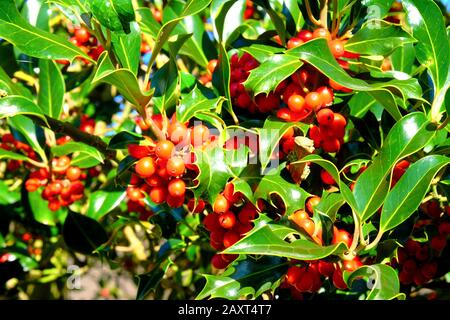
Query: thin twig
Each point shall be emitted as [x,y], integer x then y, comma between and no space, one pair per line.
[75,133]
[324,13]
[311,16]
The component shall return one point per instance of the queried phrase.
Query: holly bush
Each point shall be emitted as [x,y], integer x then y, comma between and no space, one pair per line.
[284,149]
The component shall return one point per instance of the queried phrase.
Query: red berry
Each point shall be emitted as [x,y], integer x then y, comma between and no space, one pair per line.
[54,205]
[293,275]
[73,173]
[284,114]
[305,281]
[294,43]
[230,195]
[211,222]
[409,266]
[32,184]
[82,35]
[196,207]
[341,236]
[221,204]
[307,225]
[439,242]
[199,134]
[352,265]
[311,203]
[326,268]
[247,214]
[212,64]
[313,100]
[339,122]
[134,194]
[176,187]
[326,95]
[158,194]
[331,145]
[305,35]
[338,87]
[336,48]
[338,280]
[321,33]
[422,254]
[325,117]
[296,103]
[433,209]
[267,103]
[230,238]
[419,279]
[164,149]
[175,166]
[326,177]
[405,277]
[218,262]
[145,167]
[444,228]
[227,220]
[177,132]
[174,202]
[429,270]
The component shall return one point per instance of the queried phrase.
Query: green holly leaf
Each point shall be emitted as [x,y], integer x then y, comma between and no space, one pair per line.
[214,172]
[382,281]
[102,202]
[196,102]
[264,241]
[379,38]
[407,194]
[116,15]
[34,41]
[271,134]
[406,137]
[250,278]
[267,76]
[51,88]
[273,183]
[77,148]
[124,80]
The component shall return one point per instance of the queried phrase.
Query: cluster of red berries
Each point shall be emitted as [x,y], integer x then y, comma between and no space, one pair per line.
[162,165]
[230,220]
[9,143]
[418,262]
[62,186]
[308,278]
[302,218]
[304,94]
[83,39]
[415,263]
[240,70]
[329,134]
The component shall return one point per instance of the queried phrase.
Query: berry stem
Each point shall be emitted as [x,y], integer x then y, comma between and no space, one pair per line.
[374,243]
[324,13]
[75,133]
[336,20]
[310,14]
[356,233]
